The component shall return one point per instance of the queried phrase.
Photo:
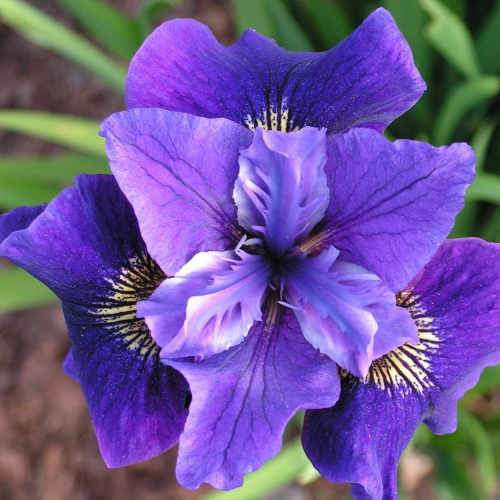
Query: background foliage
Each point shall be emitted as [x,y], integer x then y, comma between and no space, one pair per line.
[456,47]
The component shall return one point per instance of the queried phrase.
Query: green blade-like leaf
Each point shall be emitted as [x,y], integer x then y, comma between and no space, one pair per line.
[487,42]
[277,472]
[273,19]
[450,37]
[491,230]
[34,180]
[80,134]
[289,32]
[256,15]
[19,290]
[480,142]
[43,30]
[328,19]
[150,11]
[15,192]
[116,31]
[486,187]
[483,450]
[462,98]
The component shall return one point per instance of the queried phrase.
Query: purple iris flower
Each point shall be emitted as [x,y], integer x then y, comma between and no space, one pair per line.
[367,80]
[224,279]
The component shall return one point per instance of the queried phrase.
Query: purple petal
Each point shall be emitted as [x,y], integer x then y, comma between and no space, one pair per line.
[343,309]
[281,191]
[243,399]
[69,366]
[86,246]
[178,172]
[369,79]
[455,303]
[17,219]
[211,304]
[392,204]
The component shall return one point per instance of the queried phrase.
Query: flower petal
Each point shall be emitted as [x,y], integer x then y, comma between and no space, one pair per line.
[455,303]
[369,79]
[393,204]
[243,399]
[209,305]
[17,219]
[342,309]
[178,172]
[281,190]
[86,246]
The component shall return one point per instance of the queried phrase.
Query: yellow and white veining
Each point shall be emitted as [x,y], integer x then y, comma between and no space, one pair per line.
[270,119]
[408,367]
[117,311]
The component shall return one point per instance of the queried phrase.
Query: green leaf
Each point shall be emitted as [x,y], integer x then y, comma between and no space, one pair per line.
[411,19]
[34,180]
[277,472]
[450,37]
[457,6]
[254,14]
[482,449]
[461,99]
[487,41]
[150,11]
[273,19]
[19,290]
[465,224]
[328,19]
[480,142]
[45,31]
[116,31]
[491,230]
[80,134]
[486,187]
[289,33]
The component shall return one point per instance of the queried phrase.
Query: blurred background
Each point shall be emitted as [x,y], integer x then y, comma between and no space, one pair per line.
[62,66]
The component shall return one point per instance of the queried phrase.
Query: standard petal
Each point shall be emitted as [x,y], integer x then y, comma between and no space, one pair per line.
[86,246]
[342,309]
[243,399]
[393,204]
[369,79]
[178,172]
[455,303]
[209,305]
[19,218]
[281,191]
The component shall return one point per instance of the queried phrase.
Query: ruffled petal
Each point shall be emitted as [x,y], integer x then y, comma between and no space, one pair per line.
[342,309]
[369,79]
[281,190]
[243,399]
[393,204]
[455,303]
[17,219]
[209,306]
[178,172]
[86,246]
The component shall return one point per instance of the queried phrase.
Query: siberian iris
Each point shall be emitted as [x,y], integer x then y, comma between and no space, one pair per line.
[229,276]
[367,80]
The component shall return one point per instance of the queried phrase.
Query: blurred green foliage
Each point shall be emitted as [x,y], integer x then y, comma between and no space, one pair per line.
[456,47]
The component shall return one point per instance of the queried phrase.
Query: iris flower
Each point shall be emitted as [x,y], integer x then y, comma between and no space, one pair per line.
[367,80]
[229,276]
